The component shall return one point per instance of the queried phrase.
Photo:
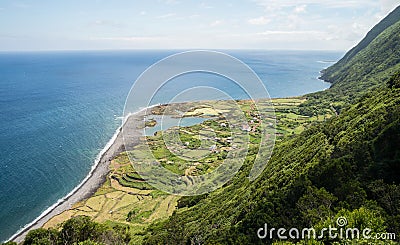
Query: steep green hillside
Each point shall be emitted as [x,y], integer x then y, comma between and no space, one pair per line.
[348,165]
[365,66]
[330,74]
[373,65]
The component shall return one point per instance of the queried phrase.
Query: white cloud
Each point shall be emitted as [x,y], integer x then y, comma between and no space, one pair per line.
[262,20]
[387,6]
[171,2]
[288,19]
[267,33]
[165,16]
[130,39]
[205,6]
[216,23]
[194,16]
[299,24]
[300,9]
[279,4]
[106,23]
[271,33]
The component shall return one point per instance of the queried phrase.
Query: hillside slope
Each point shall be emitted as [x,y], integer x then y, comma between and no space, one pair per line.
[363,68]
[347,166]
[337,72]
[366,66]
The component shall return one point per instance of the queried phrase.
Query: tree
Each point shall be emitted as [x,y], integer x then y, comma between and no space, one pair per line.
[394,81]
[41,237]
[9,243]
[315,204]
[79,229]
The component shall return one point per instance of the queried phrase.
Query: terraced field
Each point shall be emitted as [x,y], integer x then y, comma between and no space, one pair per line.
[124,198]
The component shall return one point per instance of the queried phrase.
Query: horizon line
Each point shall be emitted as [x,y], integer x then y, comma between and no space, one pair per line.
[164,49]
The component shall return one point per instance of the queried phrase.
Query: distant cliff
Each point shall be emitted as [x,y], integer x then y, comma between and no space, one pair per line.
[374,60]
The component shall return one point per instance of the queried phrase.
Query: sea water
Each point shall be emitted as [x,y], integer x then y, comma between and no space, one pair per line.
[58,110]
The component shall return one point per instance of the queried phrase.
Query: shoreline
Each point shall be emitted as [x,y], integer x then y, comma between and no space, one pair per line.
[93,180]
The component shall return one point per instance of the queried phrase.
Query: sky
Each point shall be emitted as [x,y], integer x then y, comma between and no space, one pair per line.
[188,24]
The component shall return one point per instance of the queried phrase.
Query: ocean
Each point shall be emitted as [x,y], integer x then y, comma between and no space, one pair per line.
[59,109]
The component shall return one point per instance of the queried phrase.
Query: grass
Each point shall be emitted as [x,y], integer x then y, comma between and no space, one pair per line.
[126,199]
[113,201]
[291,120]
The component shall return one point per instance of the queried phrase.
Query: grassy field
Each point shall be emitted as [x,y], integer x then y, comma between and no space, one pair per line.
[290,118]
[119,201]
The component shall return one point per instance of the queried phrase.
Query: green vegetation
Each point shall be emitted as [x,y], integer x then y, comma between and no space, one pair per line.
[336,155]
[348,163]
[342,166]
[124,200]
[80,230]
[10,243]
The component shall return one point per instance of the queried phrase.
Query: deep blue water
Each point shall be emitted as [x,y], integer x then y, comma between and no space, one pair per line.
[59,109]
